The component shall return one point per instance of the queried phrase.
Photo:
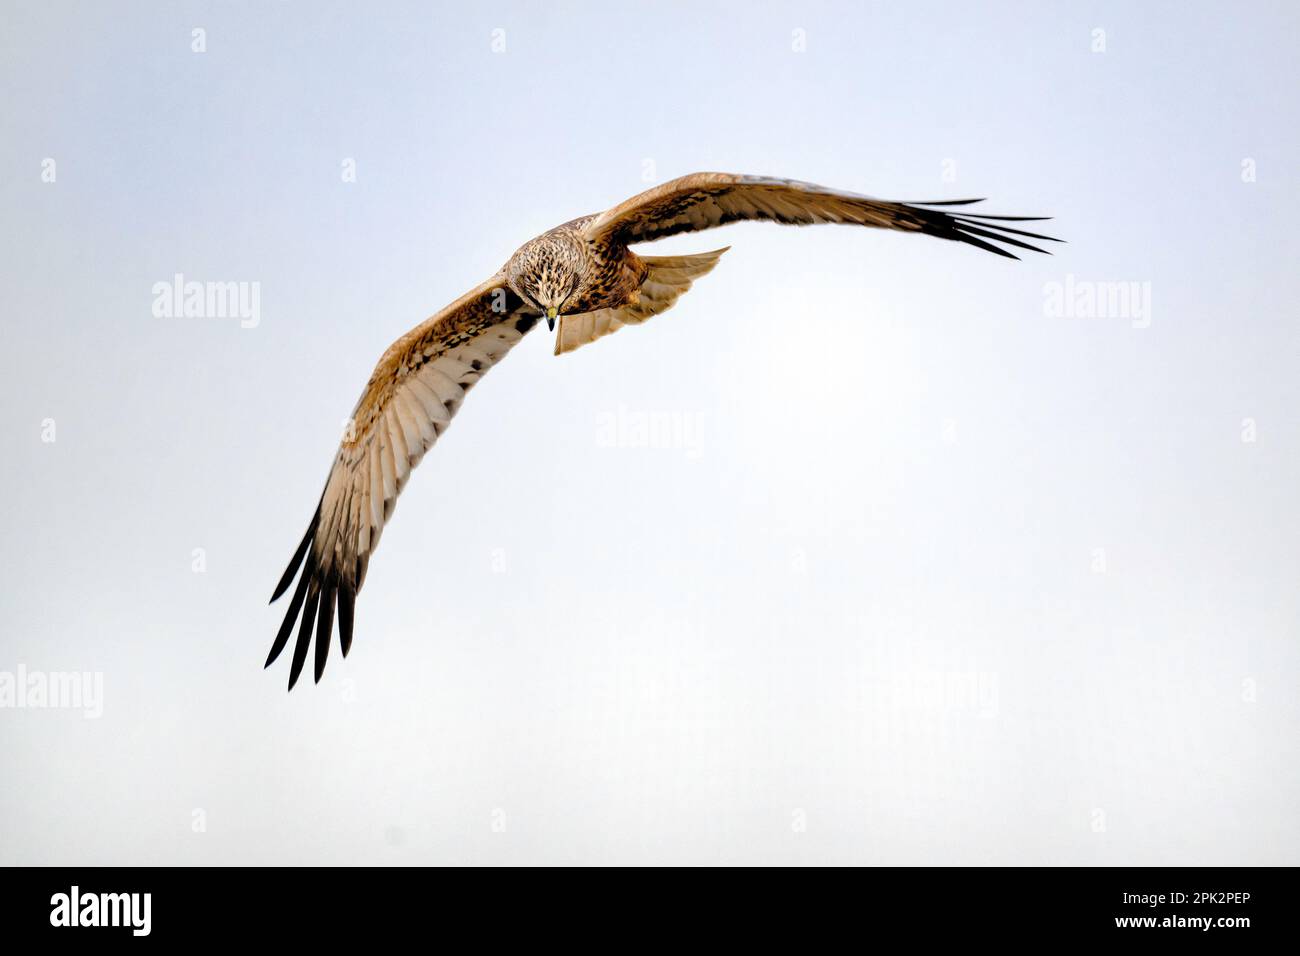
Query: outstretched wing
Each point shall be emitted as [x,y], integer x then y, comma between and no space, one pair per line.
[409,401]
[705,200]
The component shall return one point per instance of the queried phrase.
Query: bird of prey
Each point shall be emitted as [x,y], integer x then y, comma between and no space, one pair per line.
[582,274]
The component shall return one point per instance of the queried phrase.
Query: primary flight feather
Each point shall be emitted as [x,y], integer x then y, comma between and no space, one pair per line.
[584,275]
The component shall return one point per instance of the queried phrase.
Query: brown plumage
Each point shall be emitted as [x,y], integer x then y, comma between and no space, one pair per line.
[584,274]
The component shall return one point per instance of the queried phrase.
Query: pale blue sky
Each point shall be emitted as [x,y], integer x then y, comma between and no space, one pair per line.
[852,613]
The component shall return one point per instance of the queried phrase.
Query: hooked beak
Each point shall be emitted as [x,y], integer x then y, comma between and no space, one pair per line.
[550,317]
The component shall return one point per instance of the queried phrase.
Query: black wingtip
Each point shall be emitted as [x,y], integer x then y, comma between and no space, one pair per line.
[325,627]
[304,634]
[291,614]
[967,229]
[292,570]
[980,215]
[347,604]
[967,220]
[981,244]
[946,202]
[983,232]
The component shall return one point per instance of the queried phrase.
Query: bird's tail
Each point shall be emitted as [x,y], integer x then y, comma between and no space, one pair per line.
[666,279]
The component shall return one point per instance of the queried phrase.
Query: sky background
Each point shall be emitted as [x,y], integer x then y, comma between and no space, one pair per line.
[919,571]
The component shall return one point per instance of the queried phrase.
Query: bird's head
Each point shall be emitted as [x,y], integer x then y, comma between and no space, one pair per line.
[546,272]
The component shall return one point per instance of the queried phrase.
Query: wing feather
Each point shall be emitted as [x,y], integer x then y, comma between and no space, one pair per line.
[410,399]
[706,200]
[444,375]
[402,454]
[387,463]
[429,400]
[376,493]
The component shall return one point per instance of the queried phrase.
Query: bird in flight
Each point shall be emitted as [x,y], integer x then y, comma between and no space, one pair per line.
[583,275]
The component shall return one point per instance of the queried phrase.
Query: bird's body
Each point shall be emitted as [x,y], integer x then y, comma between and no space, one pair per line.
[604,272]
[584,275]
